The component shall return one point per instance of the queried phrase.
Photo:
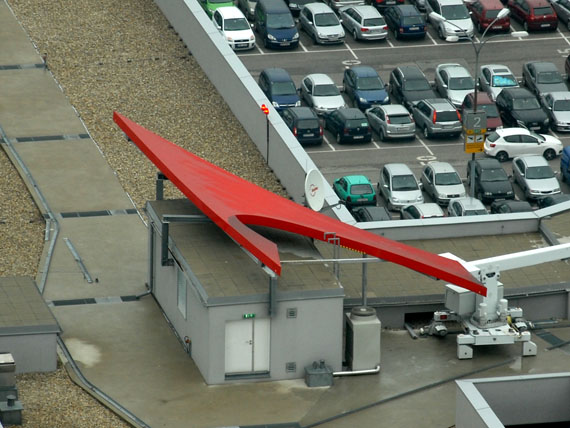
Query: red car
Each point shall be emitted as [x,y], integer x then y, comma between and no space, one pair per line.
[483,12]
[484,102]
[381,4]
[534,14]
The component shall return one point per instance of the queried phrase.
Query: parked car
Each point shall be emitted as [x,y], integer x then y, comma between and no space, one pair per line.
[506,143]
[541,77]
[381,5]
[562,9]
[548,201]
[491,182]
[304,124]
[494,77]
[319,91]
[466,206]
[408,84]
[442,182]
[557,107]
[370,213]
[321,24]
[485,103]
[453,82]
[247,7]
[392,121]
[419,4]
[295,6]
[567,67]
[405,21]
[364,87]
[210,6]
[519,107]
[275,24]
[337,5]
[534,14]
[355,190]
[235,28]
[508,207]
[437,117]
[535,177]
[565,165]
[484,12]
[349,125]
[419,211]
[278,86]
[398,186]
[449,18]
[364,22]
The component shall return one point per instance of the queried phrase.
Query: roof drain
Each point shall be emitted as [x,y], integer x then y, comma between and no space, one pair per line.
[358,372]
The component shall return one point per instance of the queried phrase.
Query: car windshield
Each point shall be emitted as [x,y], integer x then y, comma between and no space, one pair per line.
[447,179]
[498,174]
[446,116]
[461,83]
[549,77]
[326,20]
[280,20]
[308,123]
[357,123]
[546,10]
[537,136]
[492,13]
[412,20]
[490,110]
[236,24]
[283,88]
[369,83]
[456,11]
[404,182]
[562,105]
[492,137]
[416,85]
[504,80]
[361,189]
[538,172]
[476,212]
[374,22]
[399,119]
[525,104]
[328,90]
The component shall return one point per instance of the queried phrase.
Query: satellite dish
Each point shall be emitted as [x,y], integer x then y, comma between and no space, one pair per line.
[314,190]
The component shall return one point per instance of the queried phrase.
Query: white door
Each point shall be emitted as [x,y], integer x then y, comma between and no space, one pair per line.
[247,346]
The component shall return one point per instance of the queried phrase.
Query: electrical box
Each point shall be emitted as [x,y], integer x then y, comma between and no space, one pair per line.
[7,370]
[362,338]
[459,300]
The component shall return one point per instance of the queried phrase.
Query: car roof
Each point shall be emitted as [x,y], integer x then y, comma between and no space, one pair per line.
[320,79]
[538,3]
[303,112]
[364,70]
[482,97]
[454,70]
[498,68]
[440,104]
[468,203]
[277,74]
[543,66]
[398,169]
[318,8]
[492,4]
[532,160]
[441,167]
[430,209]
[229,12]
[449,2]
[411,72]
[351,113]
[357,179]
[488,163]
[560,95]
[516,206]
[366,10]
[407,9]
[519,92]
[378,213]
[274,6]
[515,130]
[394,109]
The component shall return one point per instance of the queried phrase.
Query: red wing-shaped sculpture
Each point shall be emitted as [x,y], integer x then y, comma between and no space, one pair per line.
[234,203]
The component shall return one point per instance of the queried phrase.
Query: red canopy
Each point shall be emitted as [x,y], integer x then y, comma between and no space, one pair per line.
[234,203]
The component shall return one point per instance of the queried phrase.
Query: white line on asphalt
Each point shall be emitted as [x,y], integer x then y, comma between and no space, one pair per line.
[563,36]
[259,49]
[375,144]
[303,46]
[326,140]
[425,145]
[431,38]
[351,51]
[389,42]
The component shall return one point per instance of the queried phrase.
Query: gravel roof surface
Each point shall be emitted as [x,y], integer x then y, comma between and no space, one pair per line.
[108,56]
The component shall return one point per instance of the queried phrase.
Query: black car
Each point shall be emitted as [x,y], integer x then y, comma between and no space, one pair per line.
[491,180]
[295,6]
[548,201]
[405,21]
[408,84]
[349,125]
[506,207]
[542,77]
[304,124]
[371,214]
[519,107]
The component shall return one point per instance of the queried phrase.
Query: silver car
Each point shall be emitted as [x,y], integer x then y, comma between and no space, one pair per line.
[319,92]
[453,82]
[391,121]
[336,5]
[442,182]
[364,22]
[321,24]
[437,116]
[535,177]
[398,186]
[557,107]
[467,206]
[562,9]
[420,211]
[493,78]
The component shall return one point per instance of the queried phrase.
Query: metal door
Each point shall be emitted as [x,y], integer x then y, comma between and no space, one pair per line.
[247,346]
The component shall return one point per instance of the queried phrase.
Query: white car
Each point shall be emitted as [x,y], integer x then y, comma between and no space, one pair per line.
[453,82]
[506,143]
[535,177]
[450,18]
[320,92]
[442,182]
[364,22]
[493,78]
[235,28]
[466,206]
[398,186]
[321,24]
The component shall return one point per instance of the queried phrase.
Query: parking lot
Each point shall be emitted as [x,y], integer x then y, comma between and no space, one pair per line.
[336,160]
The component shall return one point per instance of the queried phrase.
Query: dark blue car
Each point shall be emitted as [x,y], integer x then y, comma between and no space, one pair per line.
[405,21]
[364,87]
[279,87]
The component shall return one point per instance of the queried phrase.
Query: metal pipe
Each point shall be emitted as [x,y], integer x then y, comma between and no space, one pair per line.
[411,330]
[358,372]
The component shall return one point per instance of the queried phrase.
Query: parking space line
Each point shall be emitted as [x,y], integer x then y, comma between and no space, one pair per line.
[375,144]
[431,38]
[389,42]
[259,49]
[326,140]
[303,46]
[425,145]
[562,35]
[351,51]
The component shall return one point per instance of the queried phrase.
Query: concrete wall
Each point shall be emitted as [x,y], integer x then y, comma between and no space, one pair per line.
[515,400]
[31,352]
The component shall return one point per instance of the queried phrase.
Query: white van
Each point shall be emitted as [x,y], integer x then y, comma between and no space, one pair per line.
[234,27]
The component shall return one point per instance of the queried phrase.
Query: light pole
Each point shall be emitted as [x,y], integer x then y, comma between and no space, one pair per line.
[265,111]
